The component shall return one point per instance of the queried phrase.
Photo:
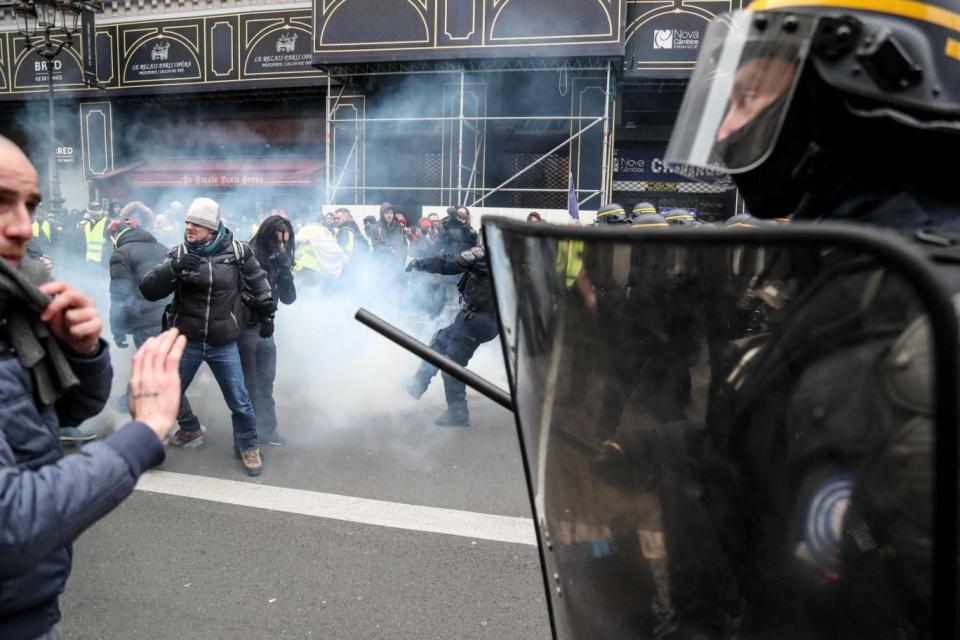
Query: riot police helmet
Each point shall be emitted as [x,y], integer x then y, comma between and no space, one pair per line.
[646,216]
[797,100]
[612,213]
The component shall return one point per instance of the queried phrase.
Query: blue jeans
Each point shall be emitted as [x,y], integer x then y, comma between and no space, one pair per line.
[224,362]
[258,356]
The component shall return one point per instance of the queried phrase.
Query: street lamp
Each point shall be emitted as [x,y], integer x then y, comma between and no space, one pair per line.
[39,19]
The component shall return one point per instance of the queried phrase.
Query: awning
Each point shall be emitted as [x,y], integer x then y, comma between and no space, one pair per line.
[219,173]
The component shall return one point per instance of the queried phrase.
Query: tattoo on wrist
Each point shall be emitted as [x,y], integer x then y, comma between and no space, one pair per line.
[146,394]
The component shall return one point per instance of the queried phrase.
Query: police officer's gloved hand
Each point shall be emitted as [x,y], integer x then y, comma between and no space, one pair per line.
[186,262]
[120,341]
[266,326]
[414,264]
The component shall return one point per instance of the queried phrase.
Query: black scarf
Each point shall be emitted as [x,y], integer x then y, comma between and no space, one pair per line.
[36,347]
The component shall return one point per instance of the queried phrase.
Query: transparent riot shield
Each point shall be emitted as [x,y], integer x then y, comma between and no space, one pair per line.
[735,434]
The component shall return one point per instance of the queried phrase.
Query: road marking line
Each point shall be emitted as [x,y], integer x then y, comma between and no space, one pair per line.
[398,515]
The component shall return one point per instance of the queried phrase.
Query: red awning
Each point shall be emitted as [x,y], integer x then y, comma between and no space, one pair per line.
[219,173]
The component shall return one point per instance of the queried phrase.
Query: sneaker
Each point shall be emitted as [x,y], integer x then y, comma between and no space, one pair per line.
[187,439]
[414,388]
[453,418]
[252,462]
[274,439]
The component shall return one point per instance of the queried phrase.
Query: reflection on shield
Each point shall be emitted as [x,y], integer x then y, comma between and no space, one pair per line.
[734,433]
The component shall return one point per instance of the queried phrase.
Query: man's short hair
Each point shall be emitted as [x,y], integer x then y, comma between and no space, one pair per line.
[342,210]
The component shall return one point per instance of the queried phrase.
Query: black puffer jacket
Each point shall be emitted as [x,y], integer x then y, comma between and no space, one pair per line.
[206,303]
[136,253]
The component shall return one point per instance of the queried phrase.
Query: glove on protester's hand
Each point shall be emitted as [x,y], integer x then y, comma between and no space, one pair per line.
[155,382]
[186,262]
[120,341]
[413,265]
[284,263]
[266,326]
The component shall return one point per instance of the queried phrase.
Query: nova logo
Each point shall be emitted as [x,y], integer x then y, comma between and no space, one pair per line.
[663,38]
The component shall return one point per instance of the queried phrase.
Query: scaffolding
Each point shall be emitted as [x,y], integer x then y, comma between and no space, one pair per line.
[462,183]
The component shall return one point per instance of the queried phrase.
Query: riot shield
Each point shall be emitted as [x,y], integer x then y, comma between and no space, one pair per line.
[735,434]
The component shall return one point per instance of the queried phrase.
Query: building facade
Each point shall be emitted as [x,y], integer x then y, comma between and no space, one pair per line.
[423,102]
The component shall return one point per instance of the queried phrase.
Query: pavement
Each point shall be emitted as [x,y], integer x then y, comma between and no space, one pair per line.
[372,524]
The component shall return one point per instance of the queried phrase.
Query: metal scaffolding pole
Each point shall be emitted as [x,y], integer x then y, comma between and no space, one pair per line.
[604,167]
[591,192]
[336,187]
[328,160]
[478,118]
[538,160]
[460,145]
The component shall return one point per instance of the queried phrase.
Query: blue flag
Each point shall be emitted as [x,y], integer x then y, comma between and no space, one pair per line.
[572,205]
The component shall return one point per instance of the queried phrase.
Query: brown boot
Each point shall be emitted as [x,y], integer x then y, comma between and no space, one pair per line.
[251,461]
[187,439]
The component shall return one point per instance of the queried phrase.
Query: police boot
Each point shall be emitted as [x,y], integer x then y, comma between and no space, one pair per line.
[453,417]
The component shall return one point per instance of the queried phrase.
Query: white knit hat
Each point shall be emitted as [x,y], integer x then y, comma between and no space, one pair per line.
[204,212]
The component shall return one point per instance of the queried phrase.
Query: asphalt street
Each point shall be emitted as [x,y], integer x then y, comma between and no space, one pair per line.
[196,565]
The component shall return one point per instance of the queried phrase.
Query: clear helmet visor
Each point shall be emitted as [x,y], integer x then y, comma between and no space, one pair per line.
[739,93]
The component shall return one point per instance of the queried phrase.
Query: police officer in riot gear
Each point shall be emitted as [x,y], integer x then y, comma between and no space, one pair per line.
[826,111]
[474,325]
[607,267]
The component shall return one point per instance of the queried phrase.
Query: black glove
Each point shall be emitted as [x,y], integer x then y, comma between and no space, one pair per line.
[414,264]
[451,212]
[120,341]
[266,326]
[186,262]
[284,263]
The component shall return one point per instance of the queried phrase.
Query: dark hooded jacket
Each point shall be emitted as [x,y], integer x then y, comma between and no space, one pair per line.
[206,303]
[277,265]
[388,239]
[136,253]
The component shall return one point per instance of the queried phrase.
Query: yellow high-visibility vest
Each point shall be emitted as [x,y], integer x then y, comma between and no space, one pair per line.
[93,234]
[350,239]
[304,256]
[41,227]
[570,259]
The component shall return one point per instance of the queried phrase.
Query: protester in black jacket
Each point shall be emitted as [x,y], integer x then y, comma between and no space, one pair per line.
[135,253]
[273,247]
[205,274]
[389,242]
[457,235]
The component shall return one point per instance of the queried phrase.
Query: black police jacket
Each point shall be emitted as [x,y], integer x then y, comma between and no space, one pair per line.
[475,286]
[206,303]
[136,253]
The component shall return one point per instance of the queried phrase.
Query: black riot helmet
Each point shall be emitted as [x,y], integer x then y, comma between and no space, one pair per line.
[646,216]
[798,100]
[612,213]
